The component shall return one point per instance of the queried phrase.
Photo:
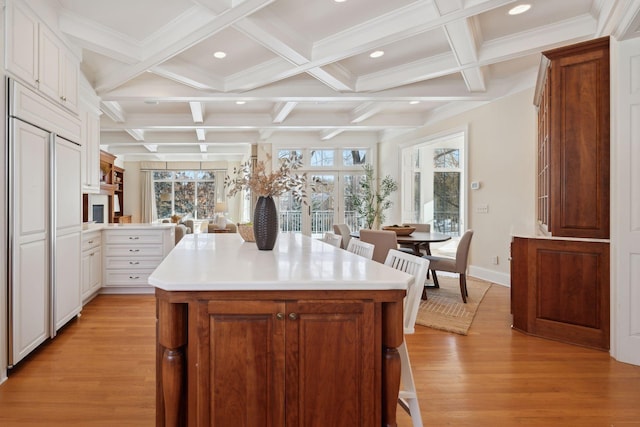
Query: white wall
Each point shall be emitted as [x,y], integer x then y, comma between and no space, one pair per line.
[502,156]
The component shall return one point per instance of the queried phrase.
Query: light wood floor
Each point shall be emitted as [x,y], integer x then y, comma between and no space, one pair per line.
[100,371]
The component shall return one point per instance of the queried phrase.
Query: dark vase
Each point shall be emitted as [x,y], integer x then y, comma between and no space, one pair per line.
[265,223]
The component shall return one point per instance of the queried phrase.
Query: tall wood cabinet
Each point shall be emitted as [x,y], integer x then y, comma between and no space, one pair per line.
[573,141]
[560,281]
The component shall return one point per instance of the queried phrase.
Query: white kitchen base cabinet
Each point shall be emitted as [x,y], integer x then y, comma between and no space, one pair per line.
[91,264]
[131,252]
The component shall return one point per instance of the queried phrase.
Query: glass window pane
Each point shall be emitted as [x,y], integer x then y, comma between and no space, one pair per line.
[158,175]
[446,158]
[354,157]
[283,154]
[290,211]
[206,200]
[207,175]
[446,198]
[185,174]
[322,205]
[163,199]
[351,188]
[322,158]
[184,198]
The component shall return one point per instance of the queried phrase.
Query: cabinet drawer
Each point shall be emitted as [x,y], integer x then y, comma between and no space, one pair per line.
[120,237]
[91,240]
[131,263]
[134,250]
[127,278]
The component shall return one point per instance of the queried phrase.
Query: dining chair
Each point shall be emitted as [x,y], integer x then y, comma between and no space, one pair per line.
[332,239]
[454,265]
[417,267]
[345,232]
[383,240]
[361,248]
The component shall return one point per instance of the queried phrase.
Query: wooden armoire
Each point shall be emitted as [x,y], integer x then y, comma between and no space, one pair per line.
[560,278]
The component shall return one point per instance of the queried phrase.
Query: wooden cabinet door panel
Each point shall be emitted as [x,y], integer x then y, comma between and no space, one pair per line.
[242,368]
[579,140]
[318,334]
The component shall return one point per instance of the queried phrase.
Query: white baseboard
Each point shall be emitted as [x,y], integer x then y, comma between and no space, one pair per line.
[503,279]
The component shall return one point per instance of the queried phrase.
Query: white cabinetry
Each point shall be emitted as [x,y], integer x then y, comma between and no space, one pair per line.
[91,264]
[35,55]
[91,149]
[131,253]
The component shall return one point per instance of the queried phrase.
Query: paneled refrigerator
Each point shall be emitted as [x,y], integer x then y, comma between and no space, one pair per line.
[45,226]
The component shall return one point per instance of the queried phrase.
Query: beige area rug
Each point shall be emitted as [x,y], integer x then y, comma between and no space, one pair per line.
[444,308]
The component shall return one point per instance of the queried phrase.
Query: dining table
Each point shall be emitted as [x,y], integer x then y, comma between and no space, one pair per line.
[417,239]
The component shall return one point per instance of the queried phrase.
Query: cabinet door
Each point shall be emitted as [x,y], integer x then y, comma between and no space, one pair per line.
[22,44]
[241,364]
[330,364]
[68,81]
[49,64]
[579,129]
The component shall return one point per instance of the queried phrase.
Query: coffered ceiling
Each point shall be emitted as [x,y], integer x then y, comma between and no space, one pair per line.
[300,71]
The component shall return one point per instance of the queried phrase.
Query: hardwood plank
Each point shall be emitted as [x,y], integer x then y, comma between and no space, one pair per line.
[100,371]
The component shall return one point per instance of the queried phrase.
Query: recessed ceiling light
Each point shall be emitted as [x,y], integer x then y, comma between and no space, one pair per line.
[377,54]
[414,102]
[219,55]
[241,102]
[521,8]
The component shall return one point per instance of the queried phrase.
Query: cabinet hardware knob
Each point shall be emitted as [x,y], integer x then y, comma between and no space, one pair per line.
[92,253]
[134,277]
[133,237]
[280,316]
[90,241]
[293,316]
[134,262]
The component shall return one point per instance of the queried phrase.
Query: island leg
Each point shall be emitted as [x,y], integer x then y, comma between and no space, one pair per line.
[392,336]
[172,337]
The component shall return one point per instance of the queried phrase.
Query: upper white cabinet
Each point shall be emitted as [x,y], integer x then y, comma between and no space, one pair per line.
[91,151]
[35,55]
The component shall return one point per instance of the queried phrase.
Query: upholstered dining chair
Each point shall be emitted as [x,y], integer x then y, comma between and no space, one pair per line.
[416,266]
[332,239]
[361,248]
[383,240]
[345,232]
[454,265]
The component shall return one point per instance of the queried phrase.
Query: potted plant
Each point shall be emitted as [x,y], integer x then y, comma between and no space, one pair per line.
[371,202]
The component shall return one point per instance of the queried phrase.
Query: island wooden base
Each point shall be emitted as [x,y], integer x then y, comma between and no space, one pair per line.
[295,358]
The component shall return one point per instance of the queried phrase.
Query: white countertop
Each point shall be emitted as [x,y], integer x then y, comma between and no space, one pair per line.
[223,261]
[88,226]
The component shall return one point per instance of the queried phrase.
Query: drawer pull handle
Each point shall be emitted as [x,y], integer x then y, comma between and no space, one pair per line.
[134,277]
[134,250]
[90,241]
[134,238]
[134,262]
[293,316]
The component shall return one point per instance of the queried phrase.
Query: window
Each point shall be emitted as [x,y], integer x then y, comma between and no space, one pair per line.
[432,184]
[187,192]
[340,170]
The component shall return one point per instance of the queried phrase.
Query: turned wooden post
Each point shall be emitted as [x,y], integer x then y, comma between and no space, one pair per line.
[172,337]
[392,336]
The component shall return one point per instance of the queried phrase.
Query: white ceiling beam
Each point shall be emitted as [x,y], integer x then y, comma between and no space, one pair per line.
[364,111]
[446,7]
[152,148]
[336,77]
[282,110]
[203,148]
[462,40]
[184,73]
[197,111]
[137,134]
[113,110]
[201,134]
[326,135]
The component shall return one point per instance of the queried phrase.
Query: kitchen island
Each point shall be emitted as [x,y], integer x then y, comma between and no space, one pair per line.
[303,335]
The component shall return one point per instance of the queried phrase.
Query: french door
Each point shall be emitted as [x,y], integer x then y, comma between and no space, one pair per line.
[327,202]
